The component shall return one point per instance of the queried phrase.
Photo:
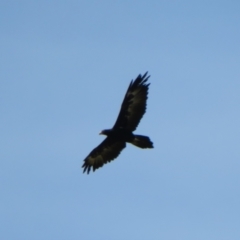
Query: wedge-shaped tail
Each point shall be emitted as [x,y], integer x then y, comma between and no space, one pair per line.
[142,141]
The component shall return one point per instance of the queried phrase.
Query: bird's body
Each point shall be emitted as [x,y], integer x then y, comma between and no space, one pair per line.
[125,135]
[132,110]
[119,134]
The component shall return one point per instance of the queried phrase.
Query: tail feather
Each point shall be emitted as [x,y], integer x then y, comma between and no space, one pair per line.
[142,141]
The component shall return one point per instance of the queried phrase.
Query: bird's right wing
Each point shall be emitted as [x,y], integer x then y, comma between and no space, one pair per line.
[108,150]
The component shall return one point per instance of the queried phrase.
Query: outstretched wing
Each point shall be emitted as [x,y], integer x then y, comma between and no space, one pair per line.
[134,104]
[108,150]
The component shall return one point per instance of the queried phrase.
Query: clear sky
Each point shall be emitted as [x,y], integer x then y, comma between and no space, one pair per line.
[64,70]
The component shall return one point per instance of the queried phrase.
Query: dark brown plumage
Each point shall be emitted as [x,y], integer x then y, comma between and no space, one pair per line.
[132,109]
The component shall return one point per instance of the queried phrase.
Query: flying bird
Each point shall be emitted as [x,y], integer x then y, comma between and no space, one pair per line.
[132,109]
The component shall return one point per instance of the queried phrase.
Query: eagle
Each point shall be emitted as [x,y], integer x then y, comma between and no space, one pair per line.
[132,109]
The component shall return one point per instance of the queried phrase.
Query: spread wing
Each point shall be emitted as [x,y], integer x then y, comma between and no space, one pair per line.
[108,150]
[134,104]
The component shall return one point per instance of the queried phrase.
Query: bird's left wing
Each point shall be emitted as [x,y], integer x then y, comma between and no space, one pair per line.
[134,104]
[108,150]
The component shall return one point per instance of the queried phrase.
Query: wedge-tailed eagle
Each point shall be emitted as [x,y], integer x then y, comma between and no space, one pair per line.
[132,109]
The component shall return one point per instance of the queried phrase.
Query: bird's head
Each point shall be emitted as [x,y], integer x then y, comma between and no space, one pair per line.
[105,132]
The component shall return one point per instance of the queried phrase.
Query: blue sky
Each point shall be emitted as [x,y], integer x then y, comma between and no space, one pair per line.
[64,69]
